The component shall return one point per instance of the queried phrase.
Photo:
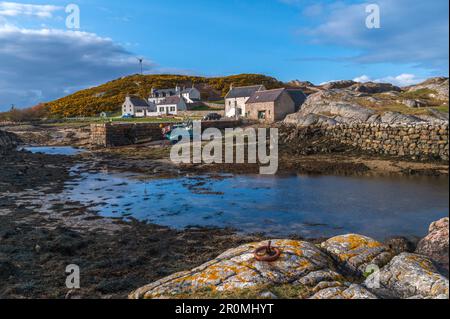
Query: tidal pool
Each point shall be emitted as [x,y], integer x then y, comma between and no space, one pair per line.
[54,150]
[278,206]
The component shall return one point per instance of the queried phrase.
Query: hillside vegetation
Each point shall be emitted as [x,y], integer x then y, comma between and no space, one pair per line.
[110,96]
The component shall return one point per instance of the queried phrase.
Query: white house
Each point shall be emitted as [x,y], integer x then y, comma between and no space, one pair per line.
[237,97]
[137,107]
[190,95]
[171,105]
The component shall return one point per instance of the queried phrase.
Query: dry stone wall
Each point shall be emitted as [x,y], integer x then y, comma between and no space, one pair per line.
[120,134]
[418,141]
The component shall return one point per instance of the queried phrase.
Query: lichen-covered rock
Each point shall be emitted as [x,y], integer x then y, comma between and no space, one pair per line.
[344,292]
[238,269]
[355,253]
[410,275]
[435,245]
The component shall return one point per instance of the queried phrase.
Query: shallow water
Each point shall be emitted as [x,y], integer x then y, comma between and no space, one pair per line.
[54,150]
[277,206]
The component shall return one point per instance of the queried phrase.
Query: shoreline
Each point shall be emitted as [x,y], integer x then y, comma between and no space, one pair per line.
[117,256]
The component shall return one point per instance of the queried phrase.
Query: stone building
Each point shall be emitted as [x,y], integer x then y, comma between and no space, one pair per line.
[270,105]
[237,97]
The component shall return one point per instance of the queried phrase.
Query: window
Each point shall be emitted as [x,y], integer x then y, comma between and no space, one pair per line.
[172,109]
[262,115]
[161,109]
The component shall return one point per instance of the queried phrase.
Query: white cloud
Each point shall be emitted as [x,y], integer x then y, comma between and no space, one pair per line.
[399,80]
[40,65]
[13,9]
[412,32]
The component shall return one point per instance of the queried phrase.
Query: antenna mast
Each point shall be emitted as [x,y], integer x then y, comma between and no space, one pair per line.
[141,60]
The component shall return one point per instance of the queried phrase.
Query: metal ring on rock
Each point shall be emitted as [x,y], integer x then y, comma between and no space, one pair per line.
[267,253]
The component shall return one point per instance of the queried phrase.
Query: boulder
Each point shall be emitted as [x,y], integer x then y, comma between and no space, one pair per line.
[356,254]
[414,103]
[309,119]
[435,245]
[238,269]
[409,275]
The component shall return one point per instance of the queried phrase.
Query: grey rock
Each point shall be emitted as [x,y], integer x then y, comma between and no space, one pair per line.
[409,275]
[398,118]
[436,244]
[356,254]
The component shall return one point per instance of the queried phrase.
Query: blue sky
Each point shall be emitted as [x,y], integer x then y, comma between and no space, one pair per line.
[318,41]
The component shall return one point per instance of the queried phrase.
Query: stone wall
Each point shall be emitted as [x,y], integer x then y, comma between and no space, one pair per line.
[8,141]
[121,134]
[418,141]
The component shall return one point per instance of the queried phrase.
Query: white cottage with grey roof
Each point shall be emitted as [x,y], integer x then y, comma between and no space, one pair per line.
[237,97]
[136,107]
[190,95]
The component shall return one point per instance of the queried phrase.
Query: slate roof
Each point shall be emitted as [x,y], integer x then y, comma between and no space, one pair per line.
[170,100]
[188,90]
[136,101]
[297,96]
[167,91]
[265,96]
[243,91]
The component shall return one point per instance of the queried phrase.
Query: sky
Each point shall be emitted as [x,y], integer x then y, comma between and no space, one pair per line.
[43,58]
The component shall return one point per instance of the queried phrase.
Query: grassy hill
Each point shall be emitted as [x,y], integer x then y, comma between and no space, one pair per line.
[110,96]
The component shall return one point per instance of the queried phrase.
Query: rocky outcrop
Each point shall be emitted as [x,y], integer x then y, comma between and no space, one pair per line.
[348,102]
[374,88]
[435,245]
[395,118]
[334,105]
[338,85]
[344,267]
[410,276]
[8,141]
[238,269]
[355,254]
[439,87]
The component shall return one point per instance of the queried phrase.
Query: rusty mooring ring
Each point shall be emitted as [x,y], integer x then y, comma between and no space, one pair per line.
[267,253]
